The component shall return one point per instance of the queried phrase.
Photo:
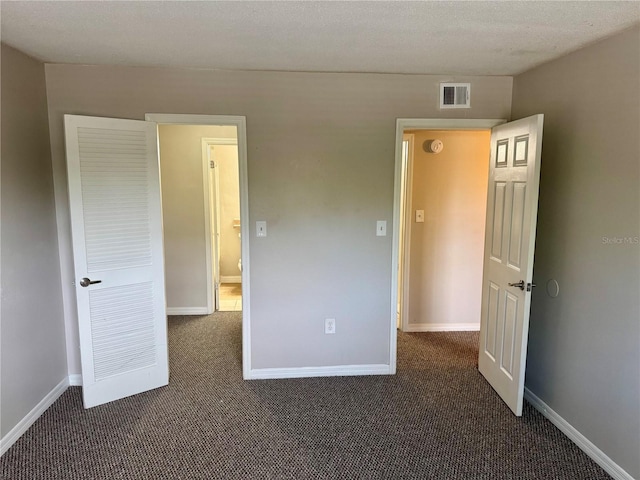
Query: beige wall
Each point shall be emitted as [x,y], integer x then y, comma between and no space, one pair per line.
[321,189]
[226,157]
[584,345]
[33,354]
[446,251]
[183,199]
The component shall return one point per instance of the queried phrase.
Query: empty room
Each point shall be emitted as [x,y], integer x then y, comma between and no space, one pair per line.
[484,326]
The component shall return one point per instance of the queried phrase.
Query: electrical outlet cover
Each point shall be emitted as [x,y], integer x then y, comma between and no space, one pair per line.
[330,326]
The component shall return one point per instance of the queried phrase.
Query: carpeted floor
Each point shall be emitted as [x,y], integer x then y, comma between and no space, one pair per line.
[436,419]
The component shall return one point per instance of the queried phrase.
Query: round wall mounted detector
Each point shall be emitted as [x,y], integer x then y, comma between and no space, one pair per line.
[434,146]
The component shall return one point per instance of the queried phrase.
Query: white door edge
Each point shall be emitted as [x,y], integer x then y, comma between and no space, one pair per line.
[240,123]
[403,124]
[210,254]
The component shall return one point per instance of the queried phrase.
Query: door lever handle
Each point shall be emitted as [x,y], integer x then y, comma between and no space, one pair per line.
[85,282]
[521,285]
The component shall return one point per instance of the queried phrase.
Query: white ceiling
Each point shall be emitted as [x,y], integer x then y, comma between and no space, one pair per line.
[474,37]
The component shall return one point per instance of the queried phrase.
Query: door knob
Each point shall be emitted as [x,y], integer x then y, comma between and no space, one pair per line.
[85,282]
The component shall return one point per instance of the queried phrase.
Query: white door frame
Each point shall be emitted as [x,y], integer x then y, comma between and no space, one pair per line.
[404,231]
[212,219]
[240,122]
[403,124]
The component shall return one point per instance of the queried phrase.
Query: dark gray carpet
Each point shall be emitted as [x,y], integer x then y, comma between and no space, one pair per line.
[436,419]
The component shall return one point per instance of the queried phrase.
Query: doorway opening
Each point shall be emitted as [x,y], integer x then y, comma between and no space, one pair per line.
[419,239]
[505,268]
[220,159]
[443,220]
[193,288]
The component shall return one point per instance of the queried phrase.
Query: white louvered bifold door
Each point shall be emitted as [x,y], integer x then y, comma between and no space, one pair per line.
[116,224]
[512,209]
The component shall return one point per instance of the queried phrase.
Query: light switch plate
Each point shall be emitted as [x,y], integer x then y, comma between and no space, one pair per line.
[261,228]
[381,228]
[419,216]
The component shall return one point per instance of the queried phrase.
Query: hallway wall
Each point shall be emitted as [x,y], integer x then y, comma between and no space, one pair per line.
[183,197]
[446,251]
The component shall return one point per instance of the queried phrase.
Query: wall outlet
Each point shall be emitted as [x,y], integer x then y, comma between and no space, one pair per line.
[330,326]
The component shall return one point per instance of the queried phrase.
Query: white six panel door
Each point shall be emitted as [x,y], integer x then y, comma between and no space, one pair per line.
[116,223]
[512,207]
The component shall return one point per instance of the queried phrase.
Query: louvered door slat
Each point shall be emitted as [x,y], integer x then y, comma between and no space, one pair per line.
[106,186]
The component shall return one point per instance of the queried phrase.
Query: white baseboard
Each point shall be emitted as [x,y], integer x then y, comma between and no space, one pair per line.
[23,425]
[75,380]
[305,372]
[230,278]
[442,327]
[597,455]
[187,311]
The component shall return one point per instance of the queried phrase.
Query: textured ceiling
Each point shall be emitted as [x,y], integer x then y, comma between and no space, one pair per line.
[475,37]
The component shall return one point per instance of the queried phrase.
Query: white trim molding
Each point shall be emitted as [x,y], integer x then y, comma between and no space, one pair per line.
[404,260]
[597,455]
[306,372]
[23,425]
[442,327]
[75,380]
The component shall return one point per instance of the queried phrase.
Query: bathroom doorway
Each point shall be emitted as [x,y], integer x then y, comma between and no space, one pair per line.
[191,250]
[220,156]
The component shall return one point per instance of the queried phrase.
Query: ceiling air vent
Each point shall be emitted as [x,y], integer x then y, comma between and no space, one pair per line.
[455,95]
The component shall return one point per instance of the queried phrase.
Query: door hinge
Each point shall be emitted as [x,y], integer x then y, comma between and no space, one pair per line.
[212,164]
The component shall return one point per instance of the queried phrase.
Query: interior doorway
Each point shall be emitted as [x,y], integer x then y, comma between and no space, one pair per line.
[220,157]
[205,285]
[442,229]
[409,216]
[508,249]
